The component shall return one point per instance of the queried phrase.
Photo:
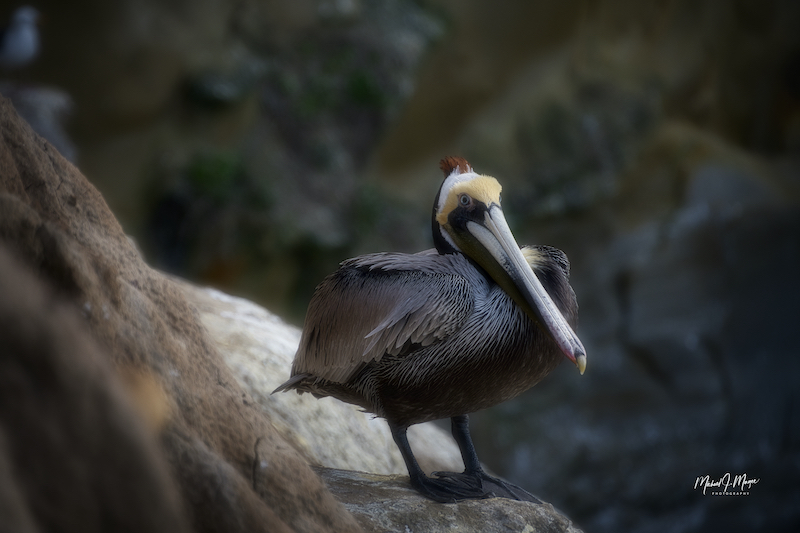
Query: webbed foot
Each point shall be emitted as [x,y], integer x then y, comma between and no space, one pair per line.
[484,485]
[450,487]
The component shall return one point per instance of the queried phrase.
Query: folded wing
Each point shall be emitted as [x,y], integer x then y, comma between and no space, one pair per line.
[381,304]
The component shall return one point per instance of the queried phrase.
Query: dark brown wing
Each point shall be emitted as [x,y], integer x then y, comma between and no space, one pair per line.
[381,304]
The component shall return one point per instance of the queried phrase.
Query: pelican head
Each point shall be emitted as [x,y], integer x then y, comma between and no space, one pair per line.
[468,219]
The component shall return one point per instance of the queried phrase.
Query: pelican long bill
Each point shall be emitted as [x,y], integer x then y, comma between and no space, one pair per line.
[496,237]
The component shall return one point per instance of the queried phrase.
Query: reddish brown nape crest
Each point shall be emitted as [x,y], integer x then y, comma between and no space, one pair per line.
[450,163]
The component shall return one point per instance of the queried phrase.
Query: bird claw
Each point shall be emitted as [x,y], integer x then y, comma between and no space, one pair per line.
[451,487]
[455,486]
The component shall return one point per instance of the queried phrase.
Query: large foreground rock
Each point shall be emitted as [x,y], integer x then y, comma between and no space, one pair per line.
[74,453]
[231,468]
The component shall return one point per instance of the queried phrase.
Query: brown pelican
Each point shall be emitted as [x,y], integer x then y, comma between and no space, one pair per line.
[445,332]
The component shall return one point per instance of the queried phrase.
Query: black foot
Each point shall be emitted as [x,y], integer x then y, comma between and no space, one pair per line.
[450,487]
[483,485]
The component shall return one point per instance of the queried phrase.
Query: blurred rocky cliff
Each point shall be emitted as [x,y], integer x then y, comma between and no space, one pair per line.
[255,144]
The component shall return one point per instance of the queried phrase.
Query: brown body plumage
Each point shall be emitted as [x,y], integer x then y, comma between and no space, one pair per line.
[444,332]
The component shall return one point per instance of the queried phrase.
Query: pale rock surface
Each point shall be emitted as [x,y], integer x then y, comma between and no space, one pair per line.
[259,347]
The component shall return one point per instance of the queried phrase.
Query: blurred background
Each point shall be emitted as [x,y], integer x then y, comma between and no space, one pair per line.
[253,144]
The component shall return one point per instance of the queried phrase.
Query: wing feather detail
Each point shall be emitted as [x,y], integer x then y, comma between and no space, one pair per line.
[381,304]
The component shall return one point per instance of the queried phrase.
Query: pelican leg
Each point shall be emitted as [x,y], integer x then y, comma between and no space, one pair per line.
[459,427]
[443,489]
[474,475]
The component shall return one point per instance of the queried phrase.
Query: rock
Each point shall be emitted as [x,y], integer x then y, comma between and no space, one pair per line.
[387,503]
[76,453]
[259,348]
[232,469]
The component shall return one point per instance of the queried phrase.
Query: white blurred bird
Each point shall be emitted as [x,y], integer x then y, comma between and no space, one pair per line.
[19,41]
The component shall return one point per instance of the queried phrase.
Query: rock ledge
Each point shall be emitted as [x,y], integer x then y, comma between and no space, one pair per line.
[388,503]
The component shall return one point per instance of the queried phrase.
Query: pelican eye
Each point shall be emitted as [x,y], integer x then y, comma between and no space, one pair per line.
[464,200]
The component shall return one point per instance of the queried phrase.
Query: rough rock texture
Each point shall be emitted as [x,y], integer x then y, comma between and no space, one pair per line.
[232,469]
[387,503]
[259,348]
[75,455]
